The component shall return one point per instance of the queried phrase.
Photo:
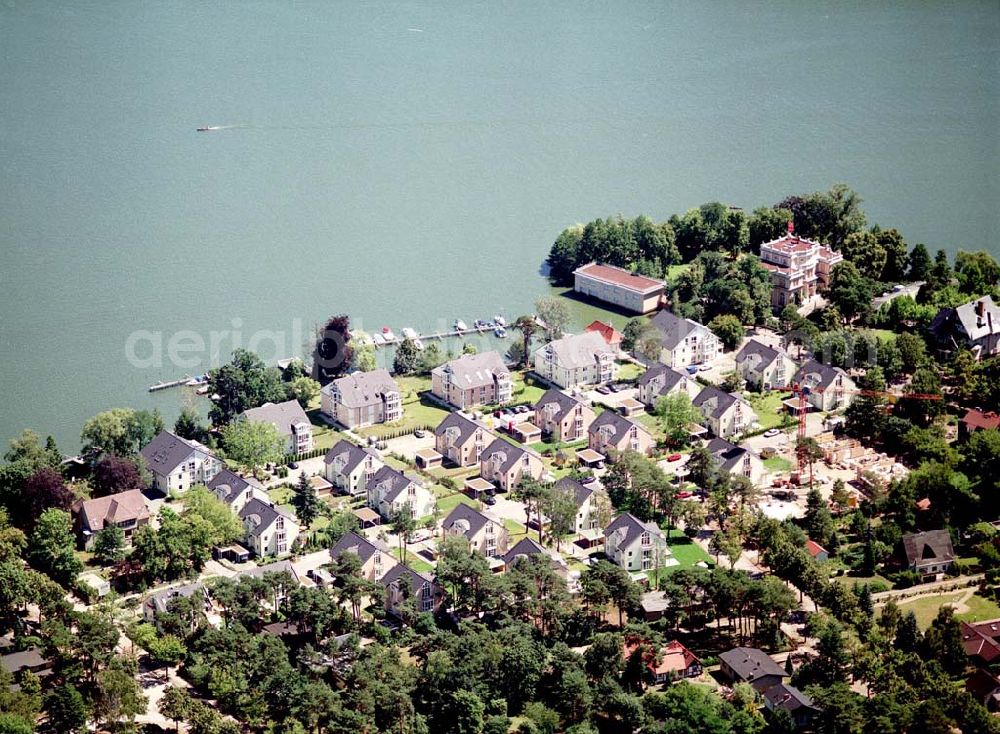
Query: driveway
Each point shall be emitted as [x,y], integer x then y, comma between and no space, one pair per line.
[309,466]
[408,445]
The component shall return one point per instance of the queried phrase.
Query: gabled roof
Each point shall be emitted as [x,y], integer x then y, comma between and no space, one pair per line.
[975,320]
[627,528]
[402,571]
[674,657]
[166,452]
[228,485]
[724,400]
[283,566]
[982,684]
[789,698]
[468,520]
[575,351]
[359,545]
[755,348]
[610,334]
[581,493]
[729,455]
[675,329]
[160,600]
[282,416]
[395,482]
[749,663]
[932,545]
[349,453]
[617,424]
[814,548]
[114,509]
[508,454]
[975,419]
[560,403]
[815,374]
[359,389]
[474,370]
[670,376]
[262,514]
[462,427]
[524,547]
[980,641]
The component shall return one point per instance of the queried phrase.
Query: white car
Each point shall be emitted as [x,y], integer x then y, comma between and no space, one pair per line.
[771,432]
[704,367]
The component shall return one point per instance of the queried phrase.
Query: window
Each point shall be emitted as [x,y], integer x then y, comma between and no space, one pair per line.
[646,539]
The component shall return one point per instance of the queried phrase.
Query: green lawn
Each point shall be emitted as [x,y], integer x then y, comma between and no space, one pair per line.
[768,407]
[447,503]
[686,551]
[514,528]
[673,271]
[926,608]
[414,561]
[651,423]
[884,334]
[324,437]
[629,370]
[777,464]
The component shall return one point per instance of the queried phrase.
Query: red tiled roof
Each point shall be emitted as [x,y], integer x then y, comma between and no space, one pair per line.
[619,277]
[774,268]
[975,419]
[674,657]
[814,548]
[924,504]
[978,641]
[611,335]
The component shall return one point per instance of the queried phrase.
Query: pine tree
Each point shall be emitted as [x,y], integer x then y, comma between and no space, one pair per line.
[305,501]
[908,635]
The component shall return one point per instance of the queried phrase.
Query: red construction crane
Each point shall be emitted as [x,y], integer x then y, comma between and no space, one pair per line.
[803,392]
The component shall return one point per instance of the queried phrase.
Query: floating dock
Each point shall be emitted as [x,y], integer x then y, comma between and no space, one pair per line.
[170,383]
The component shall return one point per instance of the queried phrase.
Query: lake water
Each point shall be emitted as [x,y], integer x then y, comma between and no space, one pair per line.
[410,164]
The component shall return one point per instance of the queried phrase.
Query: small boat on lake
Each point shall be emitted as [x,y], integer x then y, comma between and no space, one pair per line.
[378,340]
[499,320]
[409,333]
[388,335]
[460,325]
[500,332]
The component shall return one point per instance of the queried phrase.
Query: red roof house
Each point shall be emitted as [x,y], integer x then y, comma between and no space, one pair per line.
[816,550]
[676,661]
[979,640]
[611,335]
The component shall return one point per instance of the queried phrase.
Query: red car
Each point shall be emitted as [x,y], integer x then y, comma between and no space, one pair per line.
[674,457]
[684,495]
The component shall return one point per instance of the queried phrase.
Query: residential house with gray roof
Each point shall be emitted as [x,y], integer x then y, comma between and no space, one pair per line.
[528,547]
[562,416]
[800,707]
[402,583]
[736,460]
[473,379]
[506,465]
[349,467]
[612,433]
[236,490]
[461,440]
[974,325]
[753,666]
[929,553]
[659,380]
[158,602]
[389,491]
[375,556]
[685,342]
[290,420]
[269,529]
[764,367]
[636,546]
[828,388]
[576,359]
[724,414]
[485,533]
[585,497]
[177,464]
[362,399]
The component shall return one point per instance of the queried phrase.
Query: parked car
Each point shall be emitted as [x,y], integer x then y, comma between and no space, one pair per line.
[523,409]
[604,390]
[684,495]
[692,369]
[674,457]
[489,500]
[704,367]
[771,432]
[613,387]
[419,433]
[293,465]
